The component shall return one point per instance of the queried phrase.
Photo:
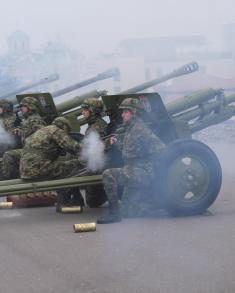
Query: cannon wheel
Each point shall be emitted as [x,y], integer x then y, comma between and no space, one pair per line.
[191,177]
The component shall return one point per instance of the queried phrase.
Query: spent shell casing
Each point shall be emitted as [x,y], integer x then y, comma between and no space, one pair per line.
[74,209]
[6,205]
[85,227]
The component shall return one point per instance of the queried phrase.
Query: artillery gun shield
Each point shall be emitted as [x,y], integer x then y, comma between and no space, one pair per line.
[48,108]
[191,177]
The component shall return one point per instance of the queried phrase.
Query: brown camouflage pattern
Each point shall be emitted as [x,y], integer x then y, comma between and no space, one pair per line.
[11,158]
[10,163]
[30,125]
[40,157]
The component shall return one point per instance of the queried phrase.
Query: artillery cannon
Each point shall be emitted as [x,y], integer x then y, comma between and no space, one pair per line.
[189,176]
[71,107]
[48,108]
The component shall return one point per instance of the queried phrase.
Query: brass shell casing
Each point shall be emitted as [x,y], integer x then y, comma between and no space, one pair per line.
[74,209]
[86,227]
[6,205]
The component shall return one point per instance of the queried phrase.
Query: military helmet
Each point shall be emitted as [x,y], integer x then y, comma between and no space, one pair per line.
[61,122]
[6,105]
[131,104]
[93,105]
[32,103]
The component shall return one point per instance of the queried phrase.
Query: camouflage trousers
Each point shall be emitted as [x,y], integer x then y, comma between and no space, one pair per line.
[11,163]
[34,166]
[135,182]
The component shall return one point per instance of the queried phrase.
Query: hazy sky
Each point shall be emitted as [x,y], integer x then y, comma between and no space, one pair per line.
[92,26]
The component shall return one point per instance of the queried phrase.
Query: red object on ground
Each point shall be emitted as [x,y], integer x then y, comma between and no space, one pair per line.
[39,199]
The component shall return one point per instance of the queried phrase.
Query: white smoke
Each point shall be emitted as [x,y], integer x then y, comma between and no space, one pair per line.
[93,152]
[5,137]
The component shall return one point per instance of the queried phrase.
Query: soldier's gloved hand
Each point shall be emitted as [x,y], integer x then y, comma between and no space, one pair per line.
[17,131]
[113,140]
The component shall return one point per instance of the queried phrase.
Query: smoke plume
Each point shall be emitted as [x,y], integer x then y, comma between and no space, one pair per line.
[93,152]
[6,139]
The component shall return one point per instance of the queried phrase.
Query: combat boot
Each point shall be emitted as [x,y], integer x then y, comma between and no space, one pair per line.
[113,215]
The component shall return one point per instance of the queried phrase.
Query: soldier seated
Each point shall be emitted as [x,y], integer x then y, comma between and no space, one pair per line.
[137,144]
[30,108]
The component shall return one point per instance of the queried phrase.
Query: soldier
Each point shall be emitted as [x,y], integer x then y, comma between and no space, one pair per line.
[91,111]
[95,196]
[30,108]
[138,145]
[40,157]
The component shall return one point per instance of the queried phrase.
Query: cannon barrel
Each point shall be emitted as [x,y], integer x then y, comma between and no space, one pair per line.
[44,80]
[186,69]
[113,72]
[76,101]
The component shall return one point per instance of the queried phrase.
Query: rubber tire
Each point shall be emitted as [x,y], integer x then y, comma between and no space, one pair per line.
[200,151]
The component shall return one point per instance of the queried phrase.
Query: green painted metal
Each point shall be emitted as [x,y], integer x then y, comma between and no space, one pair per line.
[188,178]
[183,70]
[113,72]
[12,187]
[187,102]
[77,101]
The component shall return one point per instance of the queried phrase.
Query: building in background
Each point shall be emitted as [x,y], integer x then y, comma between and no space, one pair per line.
[139,60]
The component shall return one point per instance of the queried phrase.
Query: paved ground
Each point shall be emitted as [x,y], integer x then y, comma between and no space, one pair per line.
[39,252]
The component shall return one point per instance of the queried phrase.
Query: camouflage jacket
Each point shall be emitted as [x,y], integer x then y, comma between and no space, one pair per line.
[97,124]
[30,125]
[47,142]
[138,143]
[8,120]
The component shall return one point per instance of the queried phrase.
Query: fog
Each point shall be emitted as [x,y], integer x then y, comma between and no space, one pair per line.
[94,26]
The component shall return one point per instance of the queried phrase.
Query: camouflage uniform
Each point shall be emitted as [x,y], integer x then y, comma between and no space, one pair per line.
[138,145]
[42,149]
[32,122]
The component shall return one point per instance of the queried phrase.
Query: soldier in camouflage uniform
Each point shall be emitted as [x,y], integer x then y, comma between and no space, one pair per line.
[30,108]
[95,196]
[91,111]
[40,157]
[138,145]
